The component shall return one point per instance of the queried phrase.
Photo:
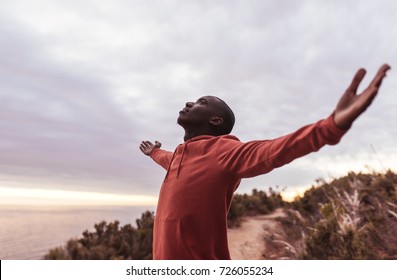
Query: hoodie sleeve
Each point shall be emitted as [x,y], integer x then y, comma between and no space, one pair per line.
[162,157]
[253,158]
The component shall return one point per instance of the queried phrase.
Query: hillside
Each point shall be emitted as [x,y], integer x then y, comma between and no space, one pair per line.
[353,217]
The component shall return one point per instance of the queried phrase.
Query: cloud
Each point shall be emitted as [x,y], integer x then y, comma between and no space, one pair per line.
[83,83]
[59,121]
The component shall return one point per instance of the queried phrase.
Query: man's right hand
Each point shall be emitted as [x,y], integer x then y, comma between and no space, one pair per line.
[147,147]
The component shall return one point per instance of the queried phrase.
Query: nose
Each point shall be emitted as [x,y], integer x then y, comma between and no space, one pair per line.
[189,104]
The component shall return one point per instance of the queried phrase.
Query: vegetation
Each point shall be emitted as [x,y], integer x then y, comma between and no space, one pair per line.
[258,203]
[354,217]
[110,242]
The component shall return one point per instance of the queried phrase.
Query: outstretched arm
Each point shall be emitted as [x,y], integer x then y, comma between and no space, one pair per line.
[351,105]
[259,157]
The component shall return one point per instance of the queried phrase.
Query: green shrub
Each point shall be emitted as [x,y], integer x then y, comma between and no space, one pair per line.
[258,203]
[109,242]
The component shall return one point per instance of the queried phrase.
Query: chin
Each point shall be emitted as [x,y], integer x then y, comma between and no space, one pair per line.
[182,122]
[179,120]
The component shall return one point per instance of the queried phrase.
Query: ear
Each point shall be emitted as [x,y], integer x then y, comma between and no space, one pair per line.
[216,121]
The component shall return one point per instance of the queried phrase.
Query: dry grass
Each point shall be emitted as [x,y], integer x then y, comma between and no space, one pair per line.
[354,217]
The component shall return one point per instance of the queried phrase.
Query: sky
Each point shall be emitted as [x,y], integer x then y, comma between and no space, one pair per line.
[82,83]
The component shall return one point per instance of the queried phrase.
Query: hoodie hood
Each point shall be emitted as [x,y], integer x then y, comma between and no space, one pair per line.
[199,142]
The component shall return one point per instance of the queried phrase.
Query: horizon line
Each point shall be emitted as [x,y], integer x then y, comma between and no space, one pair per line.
[57,197]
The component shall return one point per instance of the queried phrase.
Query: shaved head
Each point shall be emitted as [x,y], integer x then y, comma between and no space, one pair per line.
[227,115]
[209,115]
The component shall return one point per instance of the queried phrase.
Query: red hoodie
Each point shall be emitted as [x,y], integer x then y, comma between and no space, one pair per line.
[202,175]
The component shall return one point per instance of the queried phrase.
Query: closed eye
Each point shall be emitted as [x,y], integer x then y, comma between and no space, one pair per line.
[202,101]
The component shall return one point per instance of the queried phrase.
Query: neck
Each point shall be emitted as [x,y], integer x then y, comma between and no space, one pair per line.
[189,134]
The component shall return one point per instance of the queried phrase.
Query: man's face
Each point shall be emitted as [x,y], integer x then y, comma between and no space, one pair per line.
[200,112]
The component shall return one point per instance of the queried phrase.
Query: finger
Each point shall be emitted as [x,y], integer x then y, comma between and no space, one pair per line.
[377,81]
[142,148]
[356,80]
[147,144]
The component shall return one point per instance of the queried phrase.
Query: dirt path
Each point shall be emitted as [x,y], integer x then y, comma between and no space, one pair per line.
[247,242]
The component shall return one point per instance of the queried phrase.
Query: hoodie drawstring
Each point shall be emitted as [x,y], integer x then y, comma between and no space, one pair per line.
[180,161]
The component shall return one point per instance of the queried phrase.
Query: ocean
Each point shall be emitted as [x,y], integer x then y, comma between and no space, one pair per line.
[27,233]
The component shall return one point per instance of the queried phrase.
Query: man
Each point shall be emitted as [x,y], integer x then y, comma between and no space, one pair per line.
[204,171]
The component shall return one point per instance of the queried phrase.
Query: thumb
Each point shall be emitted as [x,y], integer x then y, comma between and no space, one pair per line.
[157,144]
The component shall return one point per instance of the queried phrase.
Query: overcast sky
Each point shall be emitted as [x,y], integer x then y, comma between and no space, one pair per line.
[82,83]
